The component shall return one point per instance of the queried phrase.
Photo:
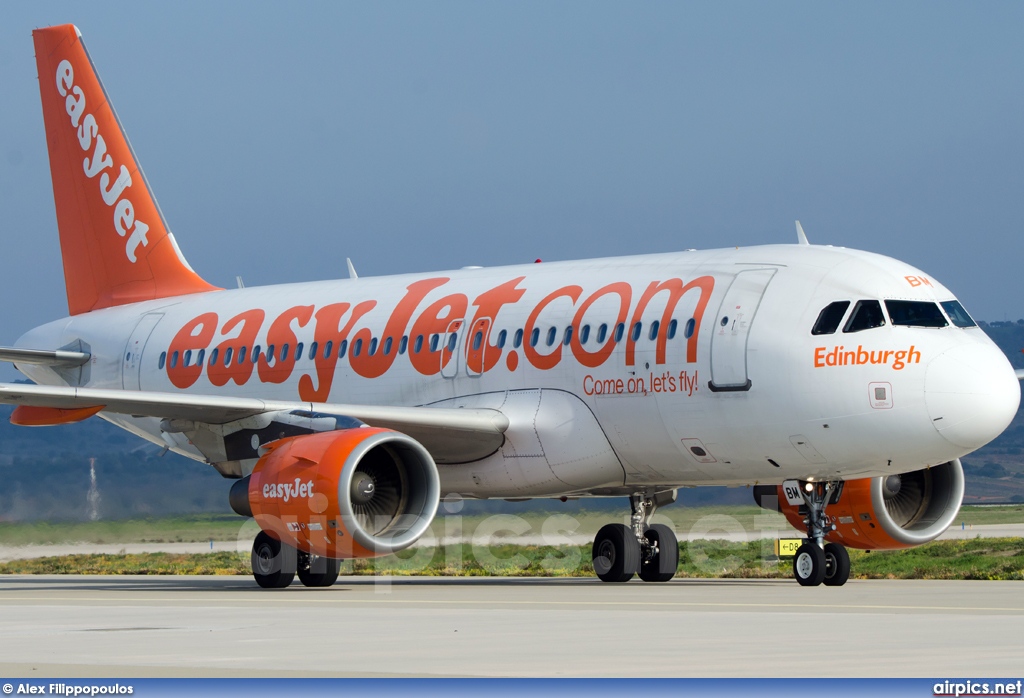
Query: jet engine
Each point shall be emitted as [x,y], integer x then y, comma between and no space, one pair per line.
[883,513]
[359,492]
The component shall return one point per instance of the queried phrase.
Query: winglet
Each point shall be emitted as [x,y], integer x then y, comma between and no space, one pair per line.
[1020,374]
[351,269]
[116,247]
[801,238]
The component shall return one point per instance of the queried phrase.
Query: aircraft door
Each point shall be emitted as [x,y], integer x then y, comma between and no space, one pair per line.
[451,348]
[732,328]
[477,346]
[131,370]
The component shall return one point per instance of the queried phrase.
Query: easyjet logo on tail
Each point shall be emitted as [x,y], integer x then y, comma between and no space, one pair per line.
[98,162]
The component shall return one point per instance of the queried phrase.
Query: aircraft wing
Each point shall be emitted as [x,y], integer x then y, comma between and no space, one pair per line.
[451,435]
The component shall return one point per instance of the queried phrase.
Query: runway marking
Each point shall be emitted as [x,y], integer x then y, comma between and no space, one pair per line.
[471,602]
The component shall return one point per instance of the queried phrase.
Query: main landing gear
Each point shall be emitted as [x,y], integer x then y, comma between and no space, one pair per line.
[648,550]
[817,562]
[275,564]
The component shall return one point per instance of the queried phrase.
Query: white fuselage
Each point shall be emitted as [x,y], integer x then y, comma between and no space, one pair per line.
[730,386]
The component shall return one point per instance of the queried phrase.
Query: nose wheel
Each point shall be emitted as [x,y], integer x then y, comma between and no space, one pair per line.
[817,562]
[650,551]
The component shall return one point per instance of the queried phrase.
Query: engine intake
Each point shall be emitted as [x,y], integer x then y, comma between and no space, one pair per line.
[360,492]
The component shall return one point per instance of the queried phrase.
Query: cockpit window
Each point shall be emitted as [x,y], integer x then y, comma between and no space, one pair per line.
[957,314]
[865,315]
[915,313]
[830,317]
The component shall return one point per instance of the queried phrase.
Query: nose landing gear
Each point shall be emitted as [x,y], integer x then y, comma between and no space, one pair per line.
[817,562]
[648,550]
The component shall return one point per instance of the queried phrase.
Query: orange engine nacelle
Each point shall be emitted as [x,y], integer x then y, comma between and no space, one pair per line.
[883,513]
[359,492]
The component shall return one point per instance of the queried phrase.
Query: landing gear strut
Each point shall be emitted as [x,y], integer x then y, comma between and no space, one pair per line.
[649,550]
[817,562]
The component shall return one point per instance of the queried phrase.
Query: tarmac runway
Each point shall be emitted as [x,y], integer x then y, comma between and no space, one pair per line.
[79,626]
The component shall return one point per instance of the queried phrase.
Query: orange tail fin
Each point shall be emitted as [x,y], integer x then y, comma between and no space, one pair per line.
[113,238]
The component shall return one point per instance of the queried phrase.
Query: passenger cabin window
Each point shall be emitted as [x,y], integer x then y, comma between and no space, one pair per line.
[501,339]
[342,348]
[387,346]
[403,344]
[672,329]
[653,334]
[691,325]
[830,317]
[584,334]
[552,333]
[602,332]
[865,315]
[517,339]
[915,314]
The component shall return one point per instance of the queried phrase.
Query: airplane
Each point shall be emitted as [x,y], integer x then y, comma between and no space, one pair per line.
[843,386]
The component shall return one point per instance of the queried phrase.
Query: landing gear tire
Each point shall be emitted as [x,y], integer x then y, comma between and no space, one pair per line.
[809,565]
[837,565]
[616,553]
[273,562]
[317,571]
[661,564]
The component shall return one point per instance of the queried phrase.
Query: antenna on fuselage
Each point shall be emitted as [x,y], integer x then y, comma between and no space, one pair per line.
[351,269]
[801,237]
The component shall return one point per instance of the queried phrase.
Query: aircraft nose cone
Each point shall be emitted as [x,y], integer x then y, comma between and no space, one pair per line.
[972,394]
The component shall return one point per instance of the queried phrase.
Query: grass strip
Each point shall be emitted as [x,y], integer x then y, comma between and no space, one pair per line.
[979,558]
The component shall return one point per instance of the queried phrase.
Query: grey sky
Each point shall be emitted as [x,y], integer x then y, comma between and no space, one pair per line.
[280,139]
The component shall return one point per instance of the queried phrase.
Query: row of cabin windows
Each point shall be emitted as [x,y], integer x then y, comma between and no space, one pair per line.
[867,314]
[190,358]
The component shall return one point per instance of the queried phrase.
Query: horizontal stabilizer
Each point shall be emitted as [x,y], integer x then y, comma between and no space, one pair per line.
[56,359]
